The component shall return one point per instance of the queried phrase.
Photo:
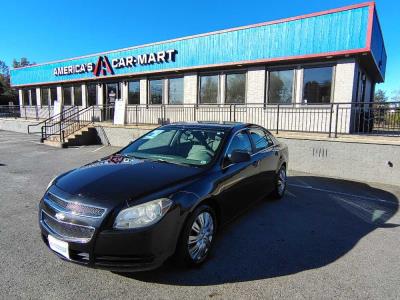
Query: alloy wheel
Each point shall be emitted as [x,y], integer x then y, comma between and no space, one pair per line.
[200,236]
[281,180]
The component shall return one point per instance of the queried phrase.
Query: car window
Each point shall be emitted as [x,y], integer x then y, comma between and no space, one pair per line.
[239,142]
[178,145]
[260,139]
[163,139]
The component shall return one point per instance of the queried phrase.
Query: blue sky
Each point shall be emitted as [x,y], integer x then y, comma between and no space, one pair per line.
[50,30]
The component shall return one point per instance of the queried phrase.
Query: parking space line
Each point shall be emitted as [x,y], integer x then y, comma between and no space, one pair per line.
[95,150]
[341,193]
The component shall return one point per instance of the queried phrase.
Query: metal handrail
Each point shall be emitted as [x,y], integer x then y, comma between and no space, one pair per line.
[50,119]
[59,128]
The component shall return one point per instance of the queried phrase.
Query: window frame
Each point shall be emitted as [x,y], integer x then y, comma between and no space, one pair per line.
[64,87]
[128,83]
[56,99]
[333,78]
[162,79]
[47,90]
[87,93]
[218,74]
[294,69]
[24,98]
[245,72]
[183,90]
[73,93]
[267,135]
[225,151]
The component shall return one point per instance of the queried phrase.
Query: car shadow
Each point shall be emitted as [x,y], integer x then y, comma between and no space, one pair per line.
[309,228]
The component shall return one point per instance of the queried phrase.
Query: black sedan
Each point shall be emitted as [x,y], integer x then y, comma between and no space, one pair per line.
[165,193]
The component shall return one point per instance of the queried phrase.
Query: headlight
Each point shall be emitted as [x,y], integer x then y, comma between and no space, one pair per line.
[51,183]
[142,215]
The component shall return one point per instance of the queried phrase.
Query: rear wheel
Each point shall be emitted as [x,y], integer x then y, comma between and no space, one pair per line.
[197,237]
[280,183]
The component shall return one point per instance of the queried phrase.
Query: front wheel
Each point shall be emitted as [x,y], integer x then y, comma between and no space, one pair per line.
[197,237]
[280,183]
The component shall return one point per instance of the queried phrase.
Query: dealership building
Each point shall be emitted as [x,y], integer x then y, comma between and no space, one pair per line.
[310,61]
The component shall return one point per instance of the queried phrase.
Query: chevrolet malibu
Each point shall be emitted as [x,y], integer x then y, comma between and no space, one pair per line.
[163,195]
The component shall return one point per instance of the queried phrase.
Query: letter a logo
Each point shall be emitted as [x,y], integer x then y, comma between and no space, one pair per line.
[102,67]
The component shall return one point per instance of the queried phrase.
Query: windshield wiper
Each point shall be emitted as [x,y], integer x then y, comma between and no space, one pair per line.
[162,160]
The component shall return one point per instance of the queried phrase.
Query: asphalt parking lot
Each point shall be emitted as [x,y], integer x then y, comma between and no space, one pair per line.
[328,238]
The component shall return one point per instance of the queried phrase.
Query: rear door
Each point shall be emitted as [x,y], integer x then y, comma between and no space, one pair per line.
[266,158]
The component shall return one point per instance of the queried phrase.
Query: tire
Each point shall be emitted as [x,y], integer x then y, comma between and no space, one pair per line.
[193,248]
[280,183]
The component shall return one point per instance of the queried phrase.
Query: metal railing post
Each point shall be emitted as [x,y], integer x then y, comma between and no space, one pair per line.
[136,115]
[330,120]
[25,112]
[36,113]
[337,118]
[194,112]
[277,119]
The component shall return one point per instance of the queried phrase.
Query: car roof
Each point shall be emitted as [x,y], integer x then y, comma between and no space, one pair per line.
[225,126]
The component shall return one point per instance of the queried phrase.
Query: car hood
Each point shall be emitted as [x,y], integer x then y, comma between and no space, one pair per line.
[115,179]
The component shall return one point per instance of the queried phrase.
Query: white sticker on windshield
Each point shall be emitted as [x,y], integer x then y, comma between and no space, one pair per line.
[153,134]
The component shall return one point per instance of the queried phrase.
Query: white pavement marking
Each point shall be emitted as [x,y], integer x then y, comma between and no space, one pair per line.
[342,193]
[95,150]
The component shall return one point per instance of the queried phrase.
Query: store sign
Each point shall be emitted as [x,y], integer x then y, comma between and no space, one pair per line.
[104,66]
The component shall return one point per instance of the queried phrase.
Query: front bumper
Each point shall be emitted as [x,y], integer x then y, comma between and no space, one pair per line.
[118,250]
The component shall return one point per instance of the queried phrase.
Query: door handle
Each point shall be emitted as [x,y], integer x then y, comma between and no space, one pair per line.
[276,152]
[256,163]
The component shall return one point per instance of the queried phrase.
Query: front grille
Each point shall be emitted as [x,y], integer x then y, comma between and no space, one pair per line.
[75,208]
[67,231]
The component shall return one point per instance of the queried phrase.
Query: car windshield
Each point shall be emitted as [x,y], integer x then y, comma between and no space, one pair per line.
[177,145]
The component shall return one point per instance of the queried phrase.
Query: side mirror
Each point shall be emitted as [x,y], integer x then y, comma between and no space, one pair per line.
[238,156]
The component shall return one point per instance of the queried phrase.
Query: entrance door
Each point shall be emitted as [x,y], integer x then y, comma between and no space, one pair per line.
[112,91]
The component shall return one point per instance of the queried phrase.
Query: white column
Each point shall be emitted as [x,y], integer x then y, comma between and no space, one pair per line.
[344,81]
[165,91]
[60,95]
[20,98]
[84,95]
[38,97]
[100,100]
[298,87]
[190,88]
[255,85]
[120,105]
[222,80]
[143,91]
[344,90]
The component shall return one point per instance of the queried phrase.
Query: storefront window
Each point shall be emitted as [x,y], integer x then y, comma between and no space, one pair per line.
[53,95]
[33,96]
[44,96]
[25,96]
[235,88]
[280,87]
[78,95]
[175,91]
[317,85]
[67,95]
[156,91]
[91,94]
[209,90]
[134,92]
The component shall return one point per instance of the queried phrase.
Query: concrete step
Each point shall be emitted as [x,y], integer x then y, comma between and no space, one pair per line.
[54,143]
[84,136]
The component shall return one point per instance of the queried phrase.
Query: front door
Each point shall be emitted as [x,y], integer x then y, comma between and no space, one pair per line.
[237,187]
[112,92]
